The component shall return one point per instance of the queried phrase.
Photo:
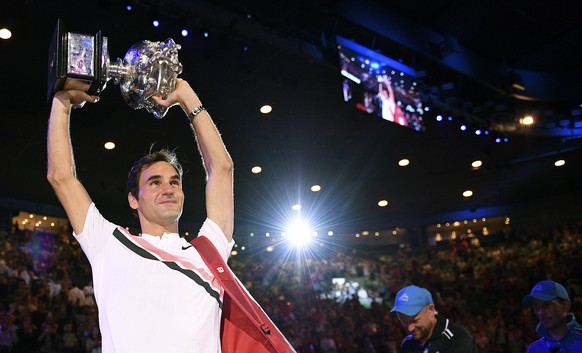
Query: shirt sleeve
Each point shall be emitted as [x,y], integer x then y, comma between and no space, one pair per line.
[96,232]
[213,232]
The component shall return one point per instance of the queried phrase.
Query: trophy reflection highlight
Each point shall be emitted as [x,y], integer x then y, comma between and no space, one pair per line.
[148,68]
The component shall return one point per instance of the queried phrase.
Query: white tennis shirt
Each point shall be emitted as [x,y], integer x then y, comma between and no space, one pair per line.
[155,295]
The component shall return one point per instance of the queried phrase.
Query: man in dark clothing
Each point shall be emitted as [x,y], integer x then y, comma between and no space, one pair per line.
[428,332]
[558,327]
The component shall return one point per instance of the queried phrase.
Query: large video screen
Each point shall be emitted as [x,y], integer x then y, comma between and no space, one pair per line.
[379,85]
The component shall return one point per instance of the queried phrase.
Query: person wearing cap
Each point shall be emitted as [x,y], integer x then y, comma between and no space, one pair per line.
[560,331]
[428,331]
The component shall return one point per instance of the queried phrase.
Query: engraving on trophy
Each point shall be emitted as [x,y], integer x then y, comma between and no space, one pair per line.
[81,52]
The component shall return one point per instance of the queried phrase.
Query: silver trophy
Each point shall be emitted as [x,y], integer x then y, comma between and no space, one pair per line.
[148,68]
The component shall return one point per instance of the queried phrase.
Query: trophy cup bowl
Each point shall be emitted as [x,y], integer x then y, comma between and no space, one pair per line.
[148,69]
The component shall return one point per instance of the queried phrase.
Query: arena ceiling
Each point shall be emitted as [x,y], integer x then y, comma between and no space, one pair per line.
[483,63]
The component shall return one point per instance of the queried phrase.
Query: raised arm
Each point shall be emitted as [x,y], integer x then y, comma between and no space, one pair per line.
[215,157]
[61,172]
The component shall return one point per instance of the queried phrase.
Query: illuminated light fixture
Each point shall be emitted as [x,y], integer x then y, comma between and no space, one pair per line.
[467,193]
[365,232]
[269,249]
[315,188]
[377,234]
[559,163]
[383,203]
[463,127]
[403,162]
[527,120]
[256,169]
[300,233]
[266,109]
[296,207]
[128,5]
[330,233]
[439,118]
[182,24]
[477,164]
[5,33]
[206,34]
[109,145]
[478,132]
[154,18]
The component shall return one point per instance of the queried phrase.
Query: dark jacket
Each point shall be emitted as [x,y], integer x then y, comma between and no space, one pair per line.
[446,338]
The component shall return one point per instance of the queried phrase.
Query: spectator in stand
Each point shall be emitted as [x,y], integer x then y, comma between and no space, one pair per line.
[428,332]
[558,327]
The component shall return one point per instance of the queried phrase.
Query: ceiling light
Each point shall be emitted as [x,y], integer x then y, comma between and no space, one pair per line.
[256,169]
[527,120]
[5,33]
[467,193]
[383,203]
[315,188]
[266,109]
[559,162]
[403,162]
[477,164]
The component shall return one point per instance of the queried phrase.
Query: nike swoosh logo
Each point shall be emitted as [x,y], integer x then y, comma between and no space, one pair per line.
[186,247]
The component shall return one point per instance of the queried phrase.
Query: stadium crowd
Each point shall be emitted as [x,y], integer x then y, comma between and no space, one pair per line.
[47,302]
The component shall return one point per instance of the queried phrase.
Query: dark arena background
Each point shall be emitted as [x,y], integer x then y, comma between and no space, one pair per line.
[472,190]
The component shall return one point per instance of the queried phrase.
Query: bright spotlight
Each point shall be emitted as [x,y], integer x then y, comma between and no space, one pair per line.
[299,233]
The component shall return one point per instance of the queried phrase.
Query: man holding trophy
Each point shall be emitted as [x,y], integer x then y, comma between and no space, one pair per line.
[153,291]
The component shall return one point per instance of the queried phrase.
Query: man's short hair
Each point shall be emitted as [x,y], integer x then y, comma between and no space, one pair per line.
[163,155]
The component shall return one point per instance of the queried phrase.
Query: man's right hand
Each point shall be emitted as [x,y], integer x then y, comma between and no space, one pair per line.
[74,92]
